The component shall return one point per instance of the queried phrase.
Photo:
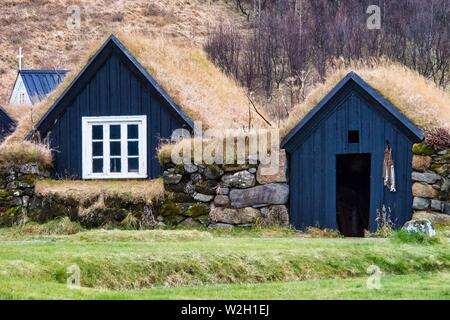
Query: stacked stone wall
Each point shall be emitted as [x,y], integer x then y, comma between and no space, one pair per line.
[223,196]
[431,179]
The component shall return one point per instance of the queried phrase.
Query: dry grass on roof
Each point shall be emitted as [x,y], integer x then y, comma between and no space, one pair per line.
[183,70]
[199,87]
[18,153]
[133,190]
[419,99]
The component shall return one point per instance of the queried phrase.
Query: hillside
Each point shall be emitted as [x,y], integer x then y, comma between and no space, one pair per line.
[39,27]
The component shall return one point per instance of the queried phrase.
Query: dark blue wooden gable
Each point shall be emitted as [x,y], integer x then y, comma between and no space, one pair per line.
[315,143]
[113,83]
[7,124]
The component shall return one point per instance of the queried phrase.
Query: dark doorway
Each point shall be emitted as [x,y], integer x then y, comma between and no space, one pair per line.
[353,193]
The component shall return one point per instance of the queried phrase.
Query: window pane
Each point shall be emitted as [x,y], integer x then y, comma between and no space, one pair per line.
[97,132]
[97,149]
[116,165]
[114,148]
[97,165]
[133,164]
[133,131]
[133,148]
[114,131]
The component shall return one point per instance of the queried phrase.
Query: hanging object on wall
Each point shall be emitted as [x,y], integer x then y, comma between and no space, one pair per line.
[388,169]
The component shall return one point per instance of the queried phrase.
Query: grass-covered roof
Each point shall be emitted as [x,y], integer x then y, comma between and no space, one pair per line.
[419,99]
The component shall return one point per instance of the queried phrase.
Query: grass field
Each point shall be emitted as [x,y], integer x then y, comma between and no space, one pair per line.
[419,286]
[182,264]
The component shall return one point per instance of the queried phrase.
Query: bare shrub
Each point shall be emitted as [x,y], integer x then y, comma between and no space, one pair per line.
[223,48]
[288,39]
[385,226]
[437,138]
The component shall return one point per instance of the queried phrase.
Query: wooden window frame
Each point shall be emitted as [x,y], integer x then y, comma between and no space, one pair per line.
[106,122]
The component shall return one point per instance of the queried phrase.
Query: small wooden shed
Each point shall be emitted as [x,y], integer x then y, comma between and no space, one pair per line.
[336,155]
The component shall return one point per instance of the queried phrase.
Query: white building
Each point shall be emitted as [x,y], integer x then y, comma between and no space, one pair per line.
[33,86]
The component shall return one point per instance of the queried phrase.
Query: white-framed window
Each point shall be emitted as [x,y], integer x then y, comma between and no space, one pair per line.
[21,98]
[114,147]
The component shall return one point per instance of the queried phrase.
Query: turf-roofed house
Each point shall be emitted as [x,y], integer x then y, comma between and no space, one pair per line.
[7,124]
[108,122]
[348,157]
[33,86]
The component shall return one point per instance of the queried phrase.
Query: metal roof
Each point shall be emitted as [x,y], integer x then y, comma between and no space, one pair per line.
[39,83]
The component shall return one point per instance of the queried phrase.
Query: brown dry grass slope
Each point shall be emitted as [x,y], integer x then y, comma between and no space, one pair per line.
[39,26]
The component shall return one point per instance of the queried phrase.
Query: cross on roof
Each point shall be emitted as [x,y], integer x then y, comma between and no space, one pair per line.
[20,56]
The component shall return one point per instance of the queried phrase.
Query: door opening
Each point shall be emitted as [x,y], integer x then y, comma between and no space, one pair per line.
[353,193]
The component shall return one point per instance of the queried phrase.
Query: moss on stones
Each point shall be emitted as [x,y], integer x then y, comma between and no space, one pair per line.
[201,218]
[423,149]
[179,169]
[10,216]
[182,197]
[206,187]
[212,171]
[444,158]
[440,169]
[197,210]
[27,178]
[170,208]
[164,158]
[4,193]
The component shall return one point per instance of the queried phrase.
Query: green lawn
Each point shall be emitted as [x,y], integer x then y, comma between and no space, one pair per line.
[419,286]
[165,264]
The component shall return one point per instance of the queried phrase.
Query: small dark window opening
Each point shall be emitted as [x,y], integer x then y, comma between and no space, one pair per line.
[353,136]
